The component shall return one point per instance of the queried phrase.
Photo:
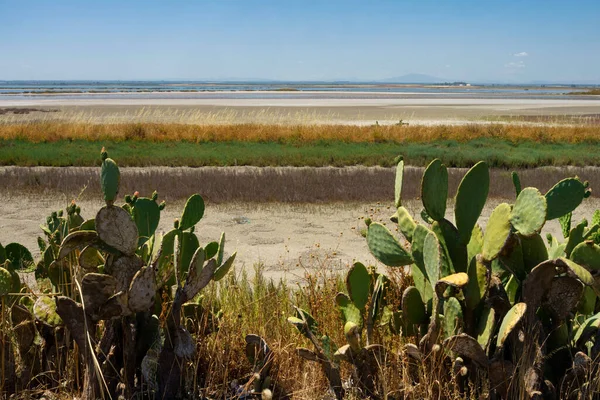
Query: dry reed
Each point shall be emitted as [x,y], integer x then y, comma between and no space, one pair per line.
[269,184]
[303,133]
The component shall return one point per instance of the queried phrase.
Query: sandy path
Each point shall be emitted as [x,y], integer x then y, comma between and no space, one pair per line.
[284,238]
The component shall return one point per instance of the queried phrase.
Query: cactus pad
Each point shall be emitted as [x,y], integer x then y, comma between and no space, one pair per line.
[564,197]
[117,229]
[90,259]
[198,278]
[76,241]
[587,254]
[192,212]
[222,269]
[497,232]
[588,328]
[470,199]
[97,289]
[466,346]
[512,318]
[485,326]
[458,281]
[384,246]
[516,183]
[44,310]
[5,282]
[434,189]
[476,288]
[146,215]
[358,282]
[398,183]
[453,316]
[19,256]
[348,309]
[413,308]
[406,223]
[529,212]
[110,178]
[142,290]
[563,296]
[432,257]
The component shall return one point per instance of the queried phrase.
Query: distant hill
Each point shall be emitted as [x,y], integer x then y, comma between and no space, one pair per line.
[416,78]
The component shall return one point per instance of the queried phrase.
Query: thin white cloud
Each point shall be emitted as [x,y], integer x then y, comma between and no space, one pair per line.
[515,65]
[521,54]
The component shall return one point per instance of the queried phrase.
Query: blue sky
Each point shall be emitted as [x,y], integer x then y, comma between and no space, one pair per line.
[483,40]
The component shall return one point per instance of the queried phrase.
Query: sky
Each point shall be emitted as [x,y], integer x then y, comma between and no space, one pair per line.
[513,41]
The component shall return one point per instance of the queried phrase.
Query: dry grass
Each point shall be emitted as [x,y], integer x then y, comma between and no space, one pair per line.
[268,184]
[304,133]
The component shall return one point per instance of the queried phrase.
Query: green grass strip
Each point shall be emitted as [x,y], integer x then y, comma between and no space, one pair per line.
[497,152]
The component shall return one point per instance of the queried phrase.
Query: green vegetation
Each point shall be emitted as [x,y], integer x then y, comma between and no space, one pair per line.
[458,312]
[495,152]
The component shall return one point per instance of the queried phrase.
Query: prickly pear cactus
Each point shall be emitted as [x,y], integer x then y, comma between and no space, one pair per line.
[110,178]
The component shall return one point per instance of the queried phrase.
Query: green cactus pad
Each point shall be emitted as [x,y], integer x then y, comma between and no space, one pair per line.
[453,317]
[44,310]
[470,199]
[117,229]
[189,244]
[528,215]
[418,270]
[358,283]
[398,183]
[76,241]
[378,300]
[88,225]
[454,252]
[299,322]
[211,249]
[565,224]
[588,328]
[466,346]
[475,243]
[576,236]
[222,269]
[512,288]
[432,257]
[587,254]
[477,286]
[146,216]
[348,309]
[19,256]
[534,251]
[516,183]
[434,189]
[406,223]
[413,308]
[485,326]
[110,178]
[556,249]
[496,232]
[192,212]
[564,197]
[384,246]
[512,318]
[221,251]
[588,301]
[6,282]
[90,259]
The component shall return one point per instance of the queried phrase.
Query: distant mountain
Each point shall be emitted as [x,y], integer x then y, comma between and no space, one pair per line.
[415,78]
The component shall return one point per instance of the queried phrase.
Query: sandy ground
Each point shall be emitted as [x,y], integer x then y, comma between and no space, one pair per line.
[287,239]
[314,108]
